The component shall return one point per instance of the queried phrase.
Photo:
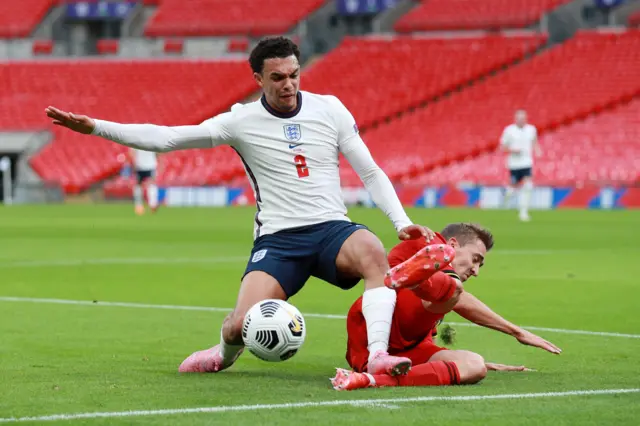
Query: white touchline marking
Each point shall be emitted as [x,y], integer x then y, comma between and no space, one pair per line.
[119,261]
[378,405]
[7,263]
[313,404]
[115,304]
[308,315]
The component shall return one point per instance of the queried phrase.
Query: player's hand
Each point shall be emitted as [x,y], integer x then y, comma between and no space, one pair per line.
[527,338]
[413,232]
[502,367]
[77,123]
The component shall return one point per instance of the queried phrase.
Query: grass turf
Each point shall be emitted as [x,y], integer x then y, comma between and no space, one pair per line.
[566,269]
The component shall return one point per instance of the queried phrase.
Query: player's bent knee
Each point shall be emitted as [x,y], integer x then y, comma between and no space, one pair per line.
[474,368]
[372,259]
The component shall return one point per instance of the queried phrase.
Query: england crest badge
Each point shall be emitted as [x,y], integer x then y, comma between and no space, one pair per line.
[258,256]
[292,132]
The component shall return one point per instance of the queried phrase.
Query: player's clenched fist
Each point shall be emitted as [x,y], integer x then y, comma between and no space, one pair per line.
[77,123]
[413,232]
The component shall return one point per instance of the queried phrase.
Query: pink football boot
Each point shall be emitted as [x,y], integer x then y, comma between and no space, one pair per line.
[350,380]
[206,361]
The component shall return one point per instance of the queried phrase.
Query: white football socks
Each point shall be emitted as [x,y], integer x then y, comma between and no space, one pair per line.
[378,305]
[229,352]
[525,197]
[508,194]
[137,195]
[152,194]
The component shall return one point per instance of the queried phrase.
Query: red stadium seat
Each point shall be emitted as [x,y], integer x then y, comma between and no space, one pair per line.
[238,44]
[107,46]
[175,46]
[165,92]
[474,14]
[224,17]
[634,19]
[42,47]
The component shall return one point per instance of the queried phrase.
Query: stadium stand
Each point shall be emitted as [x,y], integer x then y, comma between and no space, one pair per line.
[568,82]
[601,149]
[20,18]
[429,106]
[222,17]
[433,15]
[403,72]
[143,91]
[635,19]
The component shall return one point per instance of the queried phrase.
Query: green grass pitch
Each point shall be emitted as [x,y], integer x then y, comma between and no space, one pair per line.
[569,270]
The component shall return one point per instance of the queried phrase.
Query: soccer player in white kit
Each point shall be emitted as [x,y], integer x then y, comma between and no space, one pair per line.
[520,141]
[145,164]
[289,142]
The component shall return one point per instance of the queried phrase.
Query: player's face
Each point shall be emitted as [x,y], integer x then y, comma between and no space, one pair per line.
[521,118]
[469,258]
[279,80]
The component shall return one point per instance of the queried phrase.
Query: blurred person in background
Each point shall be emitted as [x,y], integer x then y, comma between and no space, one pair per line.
[144,164]
[520,141]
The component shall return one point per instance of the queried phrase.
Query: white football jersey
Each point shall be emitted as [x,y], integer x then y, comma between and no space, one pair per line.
[291,159]
[521,139]
[145,160]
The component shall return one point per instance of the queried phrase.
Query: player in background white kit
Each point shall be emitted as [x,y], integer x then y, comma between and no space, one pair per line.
[144,164]
[289,142]
[520,141]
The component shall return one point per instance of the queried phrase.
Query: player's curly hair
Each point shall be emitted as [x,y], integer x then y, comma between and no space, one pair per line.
[272,47]
[467,232]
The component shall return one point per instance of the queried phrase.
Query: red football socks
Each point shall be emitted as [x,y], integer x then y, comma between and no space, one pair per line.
[437,373]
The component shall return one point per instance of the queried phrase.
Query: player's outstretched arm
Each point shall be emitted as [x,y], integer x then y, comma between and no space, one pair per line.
[472,309]
[148,137]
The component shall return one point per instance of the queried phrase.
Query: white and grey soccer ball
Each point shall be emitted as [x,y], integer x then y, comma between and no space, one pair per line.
[273,330]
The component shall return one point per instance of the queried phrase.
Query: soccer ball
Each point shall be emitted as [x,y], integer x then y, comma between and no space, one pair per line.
[273,330]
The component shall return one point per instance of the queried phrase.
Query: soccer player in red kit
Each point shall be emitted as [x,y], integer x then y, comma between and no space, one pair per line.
[421,305]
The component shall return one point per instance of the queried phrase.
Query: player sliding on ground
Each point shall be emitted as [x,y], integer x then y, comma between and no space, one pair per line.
[420,308]
[289,142]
